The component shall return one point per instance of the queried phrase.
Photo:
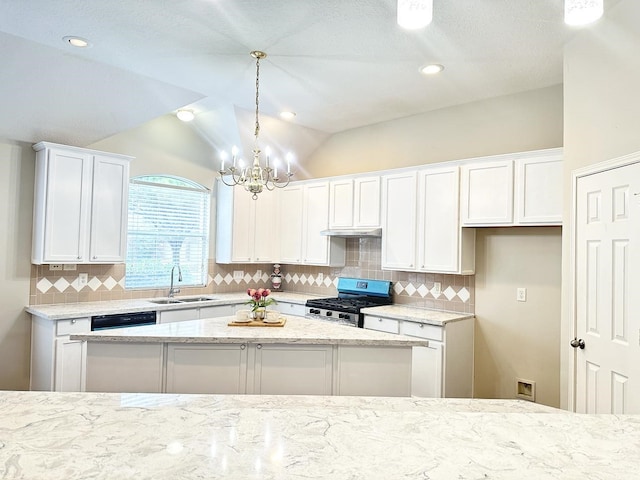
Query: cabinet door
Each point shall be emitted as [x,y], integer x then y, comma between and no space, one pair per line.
[110,191]
[438,220]
[341,204]
[293,369]
[219,369]
[366,208]
[264,232]
[291,224]
[426,371]
[399,221]
[68,205]
[291,308]
[380,324]
[69,365]
[539,190]
[242,226]
[316,219]
[169,316]
[487,193]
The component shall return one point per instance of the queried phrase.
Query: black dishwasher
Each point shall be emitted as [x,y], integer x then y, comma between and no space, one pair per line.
[121,320]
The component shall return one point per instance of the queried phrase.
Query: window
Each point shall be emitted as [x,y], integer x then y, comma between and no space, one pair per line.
[168,226]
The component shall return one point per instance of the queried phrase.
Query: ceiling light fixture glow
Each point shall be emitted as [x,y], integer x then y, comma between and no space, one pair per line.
[431,69]
[255,177]
[76,41]
[287,115]
[582,12]
[185,115]
[414,14]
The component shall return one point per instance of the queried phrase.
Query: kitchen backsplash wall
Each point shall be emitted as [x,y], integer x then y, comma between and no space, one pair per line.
[106,282]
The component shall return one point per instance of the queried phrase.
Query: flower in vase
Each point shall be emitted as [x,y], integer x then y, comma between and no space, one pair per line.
[259,298]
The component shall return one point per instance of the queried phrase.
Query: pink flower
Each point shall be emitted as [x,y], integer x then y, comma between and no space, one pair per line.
[251,292]
[266,292]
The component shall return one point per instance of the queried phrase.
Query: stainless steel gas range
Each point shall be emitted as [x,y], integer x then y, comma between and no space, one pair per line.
[354,294]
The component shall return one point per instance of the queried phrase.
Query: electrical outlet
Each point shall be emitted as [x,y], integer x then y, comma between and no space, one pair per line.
[521,294]
[319,278]
[237,275]
[69,266]
[83,279]
[437,288]
[259,273]
[526,389]
[55,266]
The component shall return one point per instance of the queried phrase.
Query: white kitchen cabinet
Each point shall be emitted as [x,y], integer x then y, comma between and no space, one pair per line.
[487,193]
[517,189]
[360,365]
[421,228]
[217,369]
[125,367]
[288,308]
[195,313]
[354,203]
[56,361]
[538,190]
[280,369]
[445,367]
[80,205]
[245,231]
[304,213]
[443,245]
[399,212]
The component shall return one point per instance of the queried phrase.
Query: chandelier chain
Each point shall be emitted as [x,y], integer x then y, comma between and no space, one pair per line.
[257,130]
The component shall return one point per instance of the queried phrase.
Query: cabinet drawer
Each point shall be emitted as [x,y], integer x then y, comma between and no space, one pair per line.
[73,325]
[422,330]
[381,324]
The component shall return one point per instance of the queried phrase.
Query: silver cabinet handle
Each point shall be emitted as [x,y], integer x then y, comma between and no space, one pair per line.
[259,346]
[73,320]
[422,325]
[243,346]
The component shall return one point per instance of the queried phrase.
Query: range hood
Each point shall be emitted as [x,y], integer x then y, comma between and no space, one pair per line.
[352,232]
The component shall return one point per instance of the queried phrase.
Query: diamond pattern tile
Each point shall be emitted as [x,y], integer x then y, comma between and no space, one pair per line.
[449,293]
[94,284]
[61,284]
[218,279]
[228,278]
[410,289]
[110,283]
[398,288]
[464,294]
[423,291]
[434,293]
[44,285]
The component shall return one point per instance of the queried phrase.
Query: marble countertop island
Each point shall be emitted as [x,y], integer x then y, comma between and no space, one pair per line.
[298,330]
[74,436]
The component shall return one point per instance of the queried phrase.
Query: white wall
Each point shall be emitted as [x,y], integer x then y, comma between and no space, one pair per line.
[601,115]
[518,339]
[513,123]
[17,162]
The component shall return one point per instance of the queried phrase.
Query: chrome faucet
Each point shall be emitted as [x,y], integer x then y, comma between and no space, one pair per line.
[173,291]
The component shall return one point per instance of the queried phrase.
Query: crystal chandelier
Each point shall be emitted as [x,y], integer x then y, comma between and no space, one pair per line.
[254,178]
[414,14]
[582,12]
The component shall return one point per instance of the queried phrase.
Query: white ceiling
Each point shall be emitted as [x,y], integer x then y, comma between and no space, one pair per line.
[339,64]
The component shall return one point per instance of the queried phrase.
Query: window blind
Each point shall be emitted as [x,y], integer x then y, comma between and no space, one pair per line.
[168,226]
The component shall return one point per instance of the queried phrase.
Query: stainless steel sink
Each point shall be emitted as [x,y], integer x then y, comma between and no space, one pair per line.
[196,299]
[165,301]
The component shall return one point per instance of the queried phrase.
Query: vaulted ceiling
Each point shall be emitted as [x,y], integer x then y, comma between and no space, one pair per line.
[338,64]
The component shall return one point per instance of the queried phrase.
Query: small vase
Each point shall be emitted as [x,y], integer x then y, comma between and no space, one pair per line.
[259,314]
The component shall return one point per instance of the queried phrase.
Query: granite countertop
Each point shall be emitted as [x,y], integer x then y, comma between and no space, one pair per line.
[216,330]
[60,311]
[414,314]
[73,436]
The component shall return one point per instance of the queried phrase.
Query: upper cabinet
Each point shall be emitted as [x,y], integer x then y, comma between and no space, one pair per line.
[519,189]
[421,229]
[245,228]
[80,205]
[304,213]
[354,203]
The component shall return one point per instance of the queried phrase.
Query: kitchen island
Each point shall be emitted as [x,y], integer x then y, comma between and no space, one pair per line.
[305,356]
[73,436]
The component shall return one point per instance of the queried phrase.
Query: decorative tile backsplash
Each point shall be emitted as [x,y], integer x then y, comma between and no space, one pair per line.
[106,282]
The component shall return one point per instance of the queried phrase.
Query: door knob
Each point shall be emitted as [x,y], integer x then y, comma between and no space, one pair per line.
[577,342]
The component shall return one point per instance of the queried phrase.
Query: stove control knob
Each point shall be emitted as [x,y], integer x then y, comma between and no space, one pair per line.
[328,314]
[314,310]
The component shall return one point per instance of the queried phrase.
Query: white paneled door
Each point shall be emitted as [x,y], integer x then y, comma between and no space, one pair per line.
[607,282]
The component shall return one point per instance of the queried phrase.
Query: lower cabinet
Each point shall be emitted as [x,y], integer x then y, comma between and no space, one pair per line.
[444,369]
[254,368]
[56,361]
[220,369]
[292,369]
[295,309]
[195,313]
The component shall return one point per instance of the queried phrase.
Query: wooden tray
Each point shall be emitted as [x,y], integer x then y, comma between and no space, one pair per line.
[258,323]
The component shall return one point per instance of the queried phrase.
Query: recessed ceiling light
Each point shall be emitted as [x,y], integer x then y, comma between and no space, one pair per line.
[287,115]
[76,41]
[185,115]
[431,69]
[582,12]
